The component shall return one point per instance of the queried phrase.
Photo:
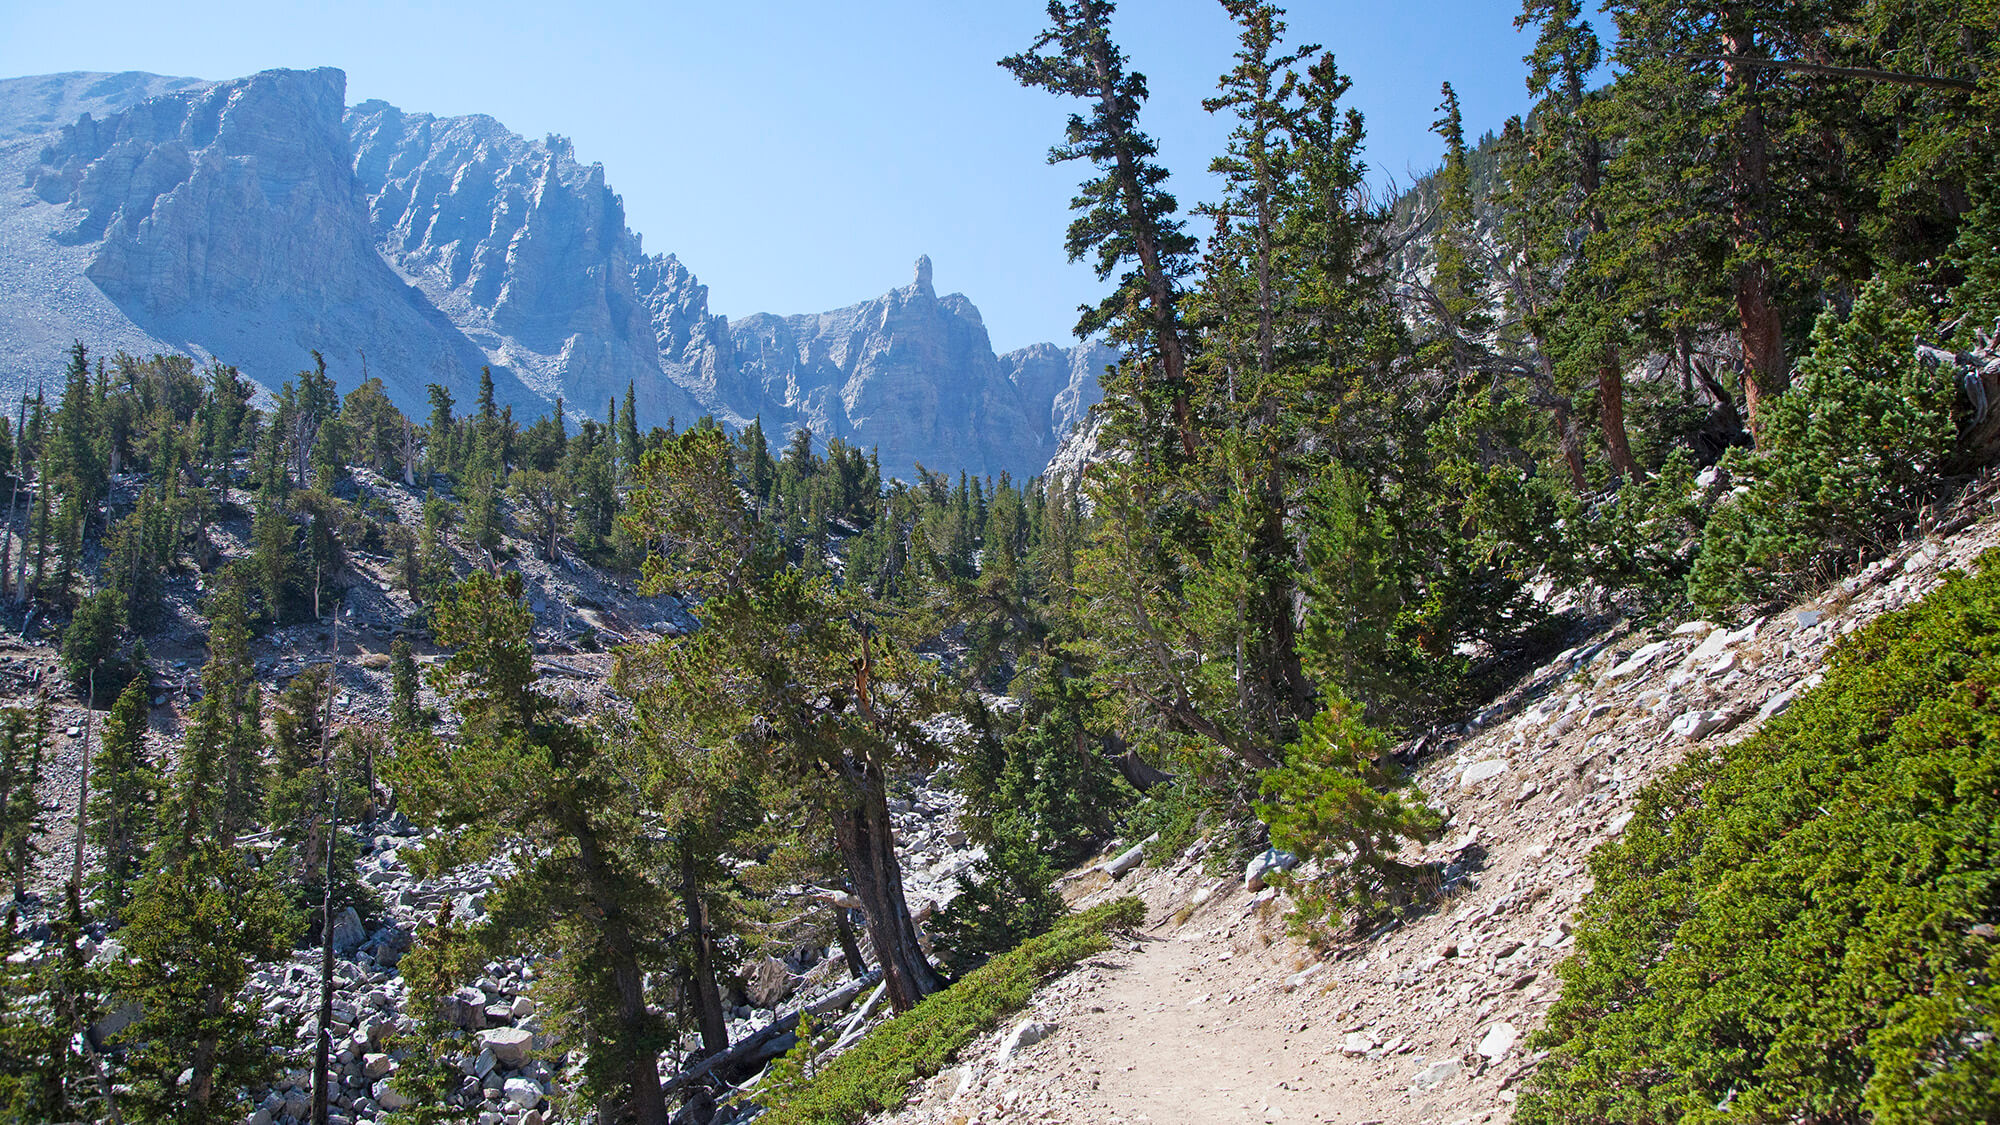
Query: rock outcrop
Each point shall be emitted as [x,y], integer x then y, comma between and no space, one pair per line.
[913,374]
[225,220]
[260,219]
[519,245]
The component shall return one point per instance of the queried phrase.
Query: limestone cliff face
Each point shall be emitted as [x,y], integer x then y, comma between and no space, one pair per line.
[519,245]
[32,107]
[225,220]
[1065,378]
[910,373]
[259,219]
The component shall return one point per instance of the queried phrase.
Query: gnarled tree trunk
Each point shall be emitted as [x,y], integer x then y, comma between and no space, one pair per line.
[867,842]
[647,1103]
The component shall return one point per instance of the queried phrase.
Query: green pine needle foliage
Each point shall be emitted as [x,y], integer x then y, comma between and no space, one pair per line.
[1848,456]
[1799,927]
[1008,897]
[1334,800]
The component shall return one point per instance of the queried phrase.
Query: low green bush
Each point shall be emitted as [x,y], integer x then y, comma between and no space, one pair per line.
[876,1074]
[1335,800]
[1801,927]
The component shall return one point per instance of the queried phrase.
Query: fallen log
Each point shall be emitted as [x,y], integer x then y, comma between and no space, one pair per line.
[762,1045]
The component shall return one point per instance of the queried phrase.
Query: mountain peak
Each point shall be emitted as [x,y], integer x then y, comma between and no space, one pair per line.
[923,271]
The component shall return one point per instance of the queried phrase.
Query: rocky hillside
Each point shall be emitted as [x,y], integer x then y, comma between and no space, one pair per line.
[259,219]
[1216,1013]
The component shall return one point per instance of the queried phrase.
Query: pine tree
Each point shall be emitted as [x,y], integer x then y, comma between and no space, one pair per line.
[1126,217]
[200,924]
[24,750]
[216,791]
[405,712]
[523,779]
[123,797]
[792,670]
[1721,175]
[628,429]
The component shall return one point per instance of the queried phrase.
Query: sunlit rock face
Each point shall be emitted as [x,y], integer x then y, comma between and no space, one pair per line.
[260,220]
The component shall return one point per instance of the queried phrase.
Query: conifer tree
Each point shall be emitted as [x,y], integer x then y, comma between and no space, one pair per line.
[1721,172]
[1126,217]
[216,791]
[123,798]
[405,712]
[524,779]
[1571,306]
[793,671]
[628,428]
[201,922]
[24,749]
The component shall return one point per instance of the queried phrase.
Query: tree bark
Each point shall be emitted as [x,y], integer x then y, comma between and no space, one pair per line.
[708,999]
[1759,330]
[201,1081]
[646,1101]
[850,948]
[1611,417]
[867,843]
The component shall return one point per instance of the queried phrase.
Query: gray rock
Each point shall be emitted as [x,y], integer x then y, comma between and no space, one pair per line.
[348,933]
[1027,1033]
[1696,725]
[1435,1075]
[1260,868]
[509,1045]
[1482,771]
[523,1092]
[465,1008]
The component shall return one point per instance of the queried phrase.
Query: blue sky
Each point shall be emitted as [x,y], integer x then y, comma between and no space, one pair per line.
[799,154]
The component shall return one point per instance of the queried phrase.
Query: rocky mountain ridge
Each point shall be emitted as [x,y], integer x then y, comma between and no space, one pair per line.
[259,219]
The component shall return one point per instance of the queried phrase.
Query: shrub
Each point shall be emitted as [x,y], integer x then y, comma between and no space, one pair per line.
[877,1073]
[1008,898]
[1047,776]
[1846,458]
[1798,928]
[1643,540]
[1332,800]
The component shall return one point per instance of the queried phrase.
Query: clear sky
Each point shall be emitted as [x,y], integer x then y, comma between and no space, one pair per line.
[799,154]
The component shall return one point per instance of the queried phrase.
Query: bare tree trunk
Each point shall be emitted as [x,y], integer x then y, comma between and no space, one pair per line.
[1758,327]
[867,842]
[7,540]
[41,542]
[708,999]
[1611,417]
[83,785]
[323,1042]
